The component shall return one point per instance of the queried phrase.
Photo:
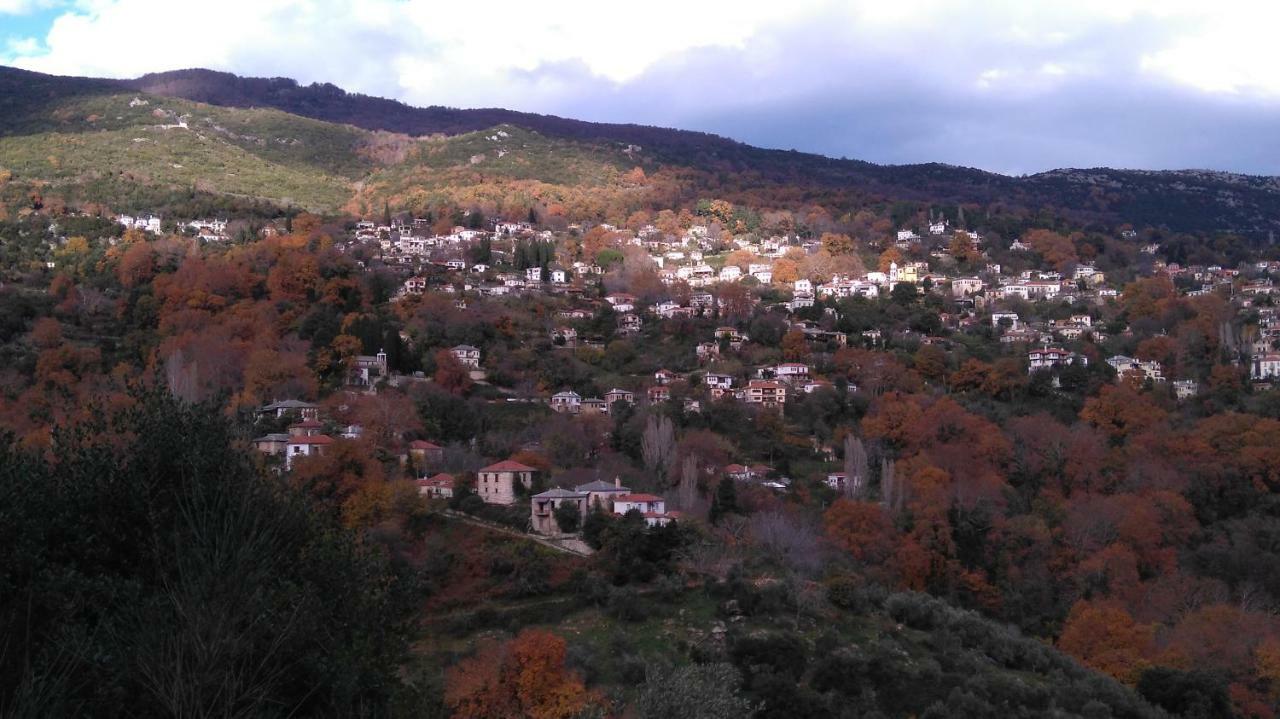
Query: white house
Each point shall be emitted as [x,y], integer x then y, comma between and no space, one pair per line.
[469,356]
[653,507]
[1265,366]
[1048,357]
[307,445]
[567,401]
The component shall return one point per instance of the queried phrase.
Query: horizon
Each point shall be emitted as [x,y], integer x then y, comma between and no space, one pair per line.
[994,86]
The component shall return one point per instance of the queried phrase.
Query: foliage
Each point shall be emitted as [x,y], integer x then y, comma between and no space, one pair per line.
[149,570]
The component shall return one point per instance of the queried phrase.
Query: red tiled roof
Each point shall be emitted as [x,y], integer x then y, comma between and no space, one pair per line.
[422,444]
[312,439]
[508,465]
[439,480]
[638,498]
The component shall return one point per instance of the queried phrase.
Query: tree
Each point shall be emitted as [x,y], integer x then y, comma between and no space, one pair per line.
[525,677]
[149,555]
[658,445]
[1056,249]
[451,374]
[837,244]
[568,517]
[856,471]
[795,347]
[725,501]
[904,293]
[862,529]
[1106,637]
[1120,412]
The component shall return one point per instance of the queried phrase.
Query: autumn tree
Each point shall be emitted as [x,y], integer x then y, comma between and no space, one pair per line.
[795,347]
[837,244]
[1107,638]
[1121,411]
[1056,249]
[524,677]
[863,529]
[451,374]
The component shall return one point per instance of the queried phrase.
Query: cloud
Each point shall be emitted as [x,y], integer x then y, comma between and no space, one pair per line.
[1010,85]
[25,7]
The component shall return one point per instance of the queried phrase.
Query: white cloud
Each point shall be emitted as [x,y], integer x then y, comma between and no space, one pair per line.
[747,67]
[24,7]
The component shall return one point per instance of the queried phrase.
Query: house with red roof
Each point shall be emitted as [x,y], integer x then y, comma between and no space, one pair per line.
[439,486]
[496,484]
[651,506]
[305,445]
[425,453]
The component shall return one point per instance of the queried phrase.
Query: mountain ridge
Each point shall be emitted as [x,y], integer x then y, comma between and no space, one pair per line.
[1178,200]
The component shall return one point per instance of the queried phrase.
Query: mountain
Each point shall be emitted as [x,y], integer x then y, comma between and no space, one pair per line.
[1180,201]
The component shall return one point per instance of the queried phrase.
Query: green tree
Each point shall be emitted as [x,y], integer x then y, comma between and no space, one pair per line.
[148,569]
[568,517]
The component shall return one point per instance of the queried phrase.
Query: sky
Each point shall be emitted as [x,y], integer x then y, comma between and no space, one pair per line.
[1013,86]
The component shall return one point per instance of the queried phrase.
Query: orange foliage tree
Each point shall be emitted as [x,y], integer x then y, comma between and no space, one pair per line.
[525,677]
[1107,638]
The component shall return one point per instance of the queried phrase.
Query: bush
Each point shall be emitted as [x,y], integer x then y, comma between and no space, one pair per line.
[781,653]
[700,691]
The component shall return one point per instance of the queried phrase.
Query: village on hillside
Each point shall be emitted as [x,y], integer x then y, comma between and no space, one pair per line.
[1050,321]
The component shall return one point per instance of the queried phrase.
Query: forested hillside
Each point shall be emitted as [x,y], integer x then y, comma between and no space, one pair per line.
[1178,201]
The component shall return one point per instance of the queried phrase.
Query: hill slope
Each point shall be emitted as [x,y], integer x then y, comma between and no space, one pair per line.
[32,104]
[1181,200]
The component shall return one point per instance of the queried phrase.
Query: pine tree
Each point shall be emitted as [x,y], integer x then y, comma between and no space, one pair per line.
[725,500]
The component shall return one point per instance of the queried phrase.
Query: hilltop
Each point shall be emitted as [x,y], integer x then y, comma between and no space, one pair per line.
[329,149]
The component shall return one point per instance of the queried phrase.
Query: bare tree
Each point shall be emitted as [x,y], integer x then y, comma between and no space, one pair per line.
[658,445]
[687,498]
[856,469]
[182,377]
[792,540]
[888,489]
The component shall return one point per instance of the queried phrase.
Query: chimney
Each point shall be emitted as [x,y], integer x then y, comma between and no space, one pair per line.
[617,481]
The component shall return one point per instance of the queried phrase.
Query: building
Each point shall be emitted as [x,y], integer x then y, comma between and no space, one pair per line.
[601,493]
[568,401]
[767,393]
[565,337]
[1265,366]
[290,408]
[718,384]
[615,395]
[273,444]
[368,369]
[306,445]
[496,484]
[791,371]
[1128,366]
[653,507]
[425,453]
[439,486]
[965,286]
[466,354]
[1050,357]
[543,508]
